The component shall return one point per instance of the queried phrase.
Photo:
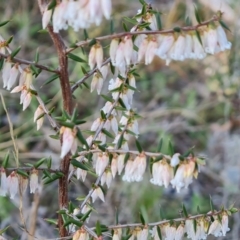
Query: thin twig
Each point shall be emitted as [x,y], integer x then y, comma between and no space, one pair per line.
[28,169]
[147,32]
[26,62]
[86,76]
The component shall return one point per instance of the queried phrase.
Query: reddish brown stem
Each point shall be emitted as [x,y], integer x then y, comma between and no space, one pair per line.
[67,105]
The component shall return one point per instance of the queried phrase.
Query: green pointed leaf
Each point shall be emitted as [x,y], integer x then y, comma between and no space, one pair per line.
[159,232]
[22,173]
[51,79]
[51,221]
[142,219]
[4,23]
[211,204]
[224,25]
[125,27]
[6,160]
[98,229]
[184,211]
[159,22]
[36,58]
[75,58]
[67,124]
[170,148]
[72,221]
[9,40]
[86,215]
[197,15]
[85,33]
[120,142]
[195,225]
[39,162]
[198,37]
[234,210]
[116,217]
[126,157]
[107,133]
[111,26]
[15,52]
[49,162]
[160,145]
[78,164]
[48,174]
[3,230]
[130,20]
[82,139]
[92,42]
[139,147]
[1,63]
[177,29]
[107,98]
[79,122]
[52,4]
[103,115]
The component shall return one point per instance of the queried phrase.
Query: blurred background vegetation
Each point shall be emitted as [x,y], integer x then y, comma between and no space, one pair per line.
[192,103]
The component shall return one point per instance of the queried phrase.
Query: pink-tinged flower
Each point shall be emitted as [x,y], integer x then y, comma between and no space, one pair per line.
[97,82]
[125,138]
[129,168]
[39,112]
[3,45]
[69,142]
[162,173]
[117,234]
[107,178]
[34,185]
[150,51]
[99,55]
[128,49]
[92,57]
[180,232]
[23,184]
[58,18]
[144,235]
[4,183]
[225,227]
[139,167]
[114,165]
[97,193]
[120,163]
[211,40]
[81,234]
[215,228]
[198,52]
[46,17]
[142,49]
[150,18]
[175,160]
[6,72]
[170,232]
[108,107]
[188,52]
[12,183]
[120,59]
[95,11]
[101,163]
[85,209]
[96,124]
[165,46]
[178,49]
[80,172]
[106,8]
[222,39]
[101,138]
[113,50]
[26,78]
[14,73]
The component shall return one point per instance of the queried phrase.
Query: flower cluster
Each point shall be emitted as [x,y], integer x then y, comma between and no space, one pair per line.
[163,172]
[11,74]
[203,227]
[77,14]
[172,46]
[14,183]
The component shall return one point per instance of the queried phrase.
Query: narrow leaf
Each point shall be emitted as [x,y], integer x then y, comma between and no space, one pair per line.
[185,211]
[39,162]
[78,164]
[15,52]
[51,79]
[75,58]
[4,23]
[20,172]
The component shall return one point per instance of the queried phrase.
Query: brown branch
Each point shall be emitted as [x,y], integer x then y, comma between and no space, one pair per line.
[26,62]
[28,169]
[147,32]
[67,106]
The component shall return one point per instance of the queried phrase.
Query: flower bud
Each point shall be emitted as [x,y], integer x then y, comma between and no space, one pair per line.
[34,181]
